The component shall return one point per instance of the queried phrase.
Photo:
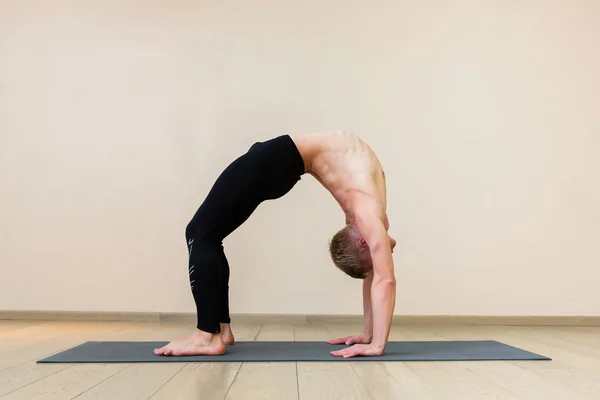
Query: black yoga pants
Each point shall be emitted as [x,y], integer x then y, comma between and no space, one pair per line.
[267,171]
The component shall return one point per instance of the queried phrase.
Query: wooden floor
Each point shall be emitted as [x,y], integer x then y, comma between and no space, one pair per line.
[574,374]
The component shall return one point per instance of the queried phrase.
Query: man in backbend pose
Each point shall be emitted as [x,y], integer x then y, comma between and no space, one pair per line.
[349,169]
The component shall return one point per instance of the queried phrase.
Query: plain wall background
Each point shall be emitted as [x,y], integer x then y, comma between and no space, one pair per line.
[116,118]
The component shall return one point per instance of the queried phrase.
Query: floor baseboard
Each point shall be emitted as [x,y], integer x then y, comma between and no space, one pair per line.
[80,316]
[304,319]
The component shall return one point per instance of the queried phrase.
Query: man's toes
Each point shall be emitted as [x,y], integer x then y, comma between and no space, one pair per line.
[162,351]
[172,352]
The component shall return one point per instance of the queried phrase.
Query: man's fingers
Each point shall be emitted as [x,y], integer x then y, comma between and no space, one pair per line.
[345,340]
[339,353]
[352,352]
[347,352]
[356,350]
[349,340]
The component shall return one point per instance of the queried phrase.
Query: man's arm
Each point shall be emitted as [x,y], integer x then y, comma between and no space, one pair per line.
[383,294]
[367,335]
[383,286]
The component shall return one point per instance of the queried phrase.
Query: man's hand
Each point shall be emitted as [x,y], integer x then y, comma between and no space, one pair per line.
[348,340]
[358,350]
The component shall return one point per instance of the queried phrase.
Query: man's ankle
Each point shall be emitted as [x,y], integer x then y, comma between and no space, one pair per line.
[205,335]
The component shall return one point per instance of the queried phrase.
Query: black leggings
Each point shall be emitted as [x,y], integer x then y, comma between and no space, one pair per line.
[267,171]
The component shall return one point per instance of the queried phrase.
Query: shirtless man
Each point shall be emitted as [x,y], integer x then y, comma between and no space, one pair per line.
[349,169]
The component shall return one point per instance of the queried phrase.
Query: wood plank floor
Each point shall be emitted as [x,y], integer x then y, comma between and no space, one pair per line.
[574,373]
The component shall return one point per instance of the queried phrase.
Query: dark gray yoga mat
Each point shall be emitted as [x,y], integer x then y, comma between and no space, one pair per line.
[139,352]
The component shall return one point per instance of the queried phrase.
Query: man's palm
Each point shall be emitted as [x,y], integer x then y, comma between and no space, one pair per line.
[349,340]
[358,350]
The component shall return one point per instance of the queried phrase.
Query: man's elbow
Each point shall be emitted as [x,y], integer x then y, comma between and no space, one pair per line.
[387,281]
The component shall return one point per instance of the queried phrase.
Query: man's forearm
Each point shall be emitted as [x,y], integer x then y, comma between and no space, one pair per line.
[367,307]
[383,295]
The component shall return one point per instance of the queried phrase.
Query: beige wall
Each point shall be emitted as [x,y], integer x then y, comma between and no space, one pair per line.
[116,117]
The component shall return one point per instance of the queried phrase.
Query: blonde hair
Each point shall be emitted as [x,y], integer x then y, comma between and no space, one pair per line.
[345,253]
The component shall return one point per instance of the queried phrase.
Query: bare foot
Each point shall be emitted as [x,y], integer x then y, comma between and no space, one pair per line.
[228,338]
[196,344]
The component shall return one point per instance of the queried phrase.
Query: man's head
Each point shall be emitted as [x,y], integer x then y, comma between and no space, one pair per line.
[350,252]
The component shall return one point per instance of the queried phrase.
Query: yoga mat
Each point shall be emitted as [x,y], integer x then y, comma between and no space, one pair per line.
[140,352]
